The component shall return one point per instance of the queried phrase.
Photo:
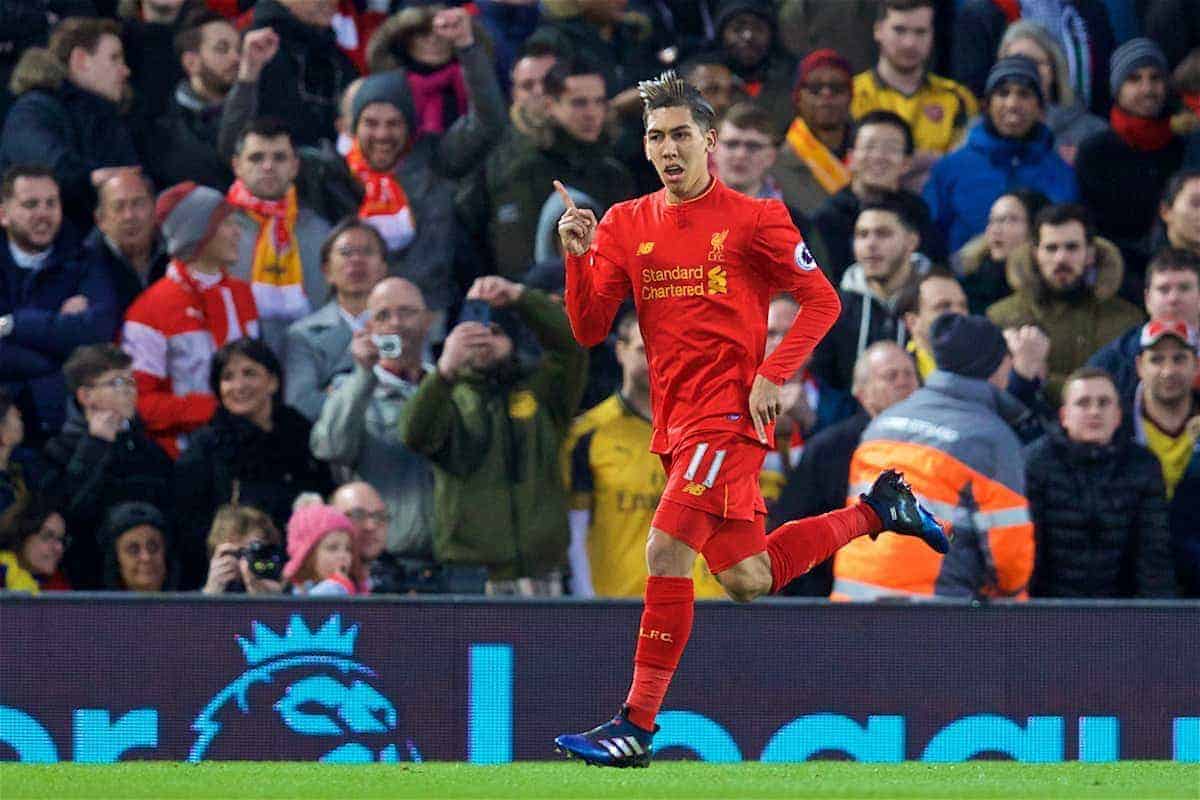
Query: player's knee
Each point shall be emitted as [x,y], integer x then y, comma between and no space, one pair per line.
[667,557]
[742,586]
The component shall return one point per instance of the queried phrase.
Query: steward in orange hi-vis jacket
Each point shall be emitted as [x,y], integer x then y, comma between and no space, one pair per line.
[951,440]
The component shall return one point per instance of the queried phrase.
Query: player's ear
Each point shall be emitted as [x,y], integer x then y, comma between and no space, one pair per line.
[710,140]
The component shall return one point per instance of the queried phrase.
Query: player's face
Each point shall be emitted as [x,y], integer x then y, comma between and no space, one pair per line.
[679,150]
[881,244]
[1090,412]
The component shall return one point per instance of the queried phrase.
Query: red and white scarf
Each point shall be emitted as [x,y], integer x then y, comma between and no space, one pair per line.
[385,205]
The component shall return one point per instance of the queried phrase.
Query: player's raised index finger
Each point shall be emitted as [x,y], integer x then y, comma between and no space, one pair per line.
[565,195]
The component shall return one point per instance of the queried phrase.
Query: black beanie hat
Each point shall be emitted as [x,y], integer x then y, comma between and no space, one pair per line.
[969,346]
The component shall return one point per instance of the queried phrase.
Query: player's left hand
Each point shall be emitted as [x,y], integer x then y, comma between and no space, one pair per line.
[496,291]
[765,405]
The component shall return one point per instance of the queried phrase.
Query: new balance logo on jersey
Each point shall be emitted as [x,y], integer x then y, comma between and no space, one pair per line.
[694,489]
[645,248]
[718,282]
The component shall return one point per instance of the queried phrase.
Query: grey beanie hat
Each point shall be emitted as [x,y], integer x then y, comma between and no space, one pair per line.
[188,216]
[384,87]
[1133,55]
[1020,69]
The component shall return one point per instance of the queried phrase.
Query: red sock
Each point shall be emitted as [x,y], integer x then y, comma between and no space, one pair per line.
[796,547]
[666,625]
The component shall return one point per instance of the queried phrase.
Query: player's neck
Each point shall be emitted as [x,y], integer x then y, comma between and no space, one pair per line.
[691,191]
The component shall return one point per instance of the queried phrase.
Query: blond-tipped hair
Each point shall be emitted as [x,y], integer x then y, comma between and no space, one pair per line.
[669,90]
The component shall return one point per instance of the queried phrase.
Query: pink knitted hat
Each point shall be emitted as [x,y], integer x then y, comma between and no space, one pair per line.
[307,527]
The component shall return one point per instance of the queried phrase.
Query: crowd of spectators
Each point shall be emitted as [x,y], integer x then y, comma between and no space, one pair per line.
[281,289]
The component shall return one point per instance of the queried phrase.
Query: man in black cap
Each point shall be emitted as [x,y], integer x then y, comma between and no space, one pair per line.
[1010,147]
[953,441]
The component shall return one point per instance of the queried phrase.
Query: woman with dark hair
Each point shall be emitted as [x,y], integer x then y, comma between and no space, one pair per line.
[1179,213]
[33,538]
[980,263]
[254,452]
[136,544]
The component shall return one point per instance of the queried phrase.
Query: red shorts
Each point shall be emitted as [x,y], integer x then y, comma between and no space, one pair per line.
[712,501]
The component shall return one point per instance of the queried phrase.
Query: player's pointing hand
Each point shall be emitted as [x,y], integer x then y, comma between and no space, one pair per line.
[576,225]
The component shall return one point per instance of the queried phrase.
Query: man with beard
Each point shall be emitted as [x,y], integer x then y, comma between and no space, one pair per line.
[493,428]
[1065,282]
[215,100]
[886,265]
[748,41]
[53,299]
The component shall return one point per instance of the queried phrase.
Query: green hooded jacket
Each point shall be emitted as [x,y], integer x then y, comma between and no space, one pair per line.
[494,442]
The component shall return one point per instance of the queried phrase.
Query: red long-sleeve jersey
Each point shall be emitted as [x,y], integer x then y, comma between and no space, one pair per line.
[702,274]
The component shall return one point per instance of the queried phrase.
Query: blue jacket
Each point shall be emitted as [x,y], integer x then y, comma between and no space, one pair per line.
[31,357]
[1119,358]
[68,129]
[964,184]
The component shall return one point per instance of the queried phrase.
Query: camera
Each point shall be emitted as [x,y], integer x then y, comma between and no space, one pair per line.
[389,344]
[475,311]
[264,559]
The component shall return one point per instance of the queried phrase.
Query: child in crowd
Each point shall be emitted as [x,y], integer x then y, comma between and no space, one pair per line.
[322,553]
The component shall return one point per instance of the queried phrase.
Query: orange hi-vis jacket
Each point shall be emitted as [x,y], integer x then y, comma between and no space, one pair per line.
[964,464]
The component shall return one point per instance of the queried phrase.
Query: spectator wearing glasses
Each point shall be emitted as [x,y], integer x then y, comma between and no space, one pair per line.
[360,430]
[33,537]
[812,160]
[136,541]
[385,573]
[103,456]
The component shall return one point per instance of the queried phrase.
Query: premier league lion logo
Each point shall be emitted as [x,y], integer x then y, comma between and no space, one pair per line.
[302,697]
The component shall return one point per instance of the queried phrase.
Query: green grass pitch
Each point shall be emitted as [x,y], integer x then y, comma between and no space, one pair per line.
[1136,780]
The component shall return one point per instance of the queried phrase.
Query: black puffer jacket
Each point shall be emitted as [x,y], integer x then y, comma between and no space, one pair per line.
[87,476]
[1100,517]
[268,469]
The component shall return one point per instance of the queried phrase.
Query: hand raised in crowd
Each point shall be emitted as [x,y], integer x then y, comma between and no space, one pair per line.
[223,568]
[576,226]
[456,352]
[75,304]
[363,350]
[1030,348]
[104,423]
[495,291]
[454,25]
[258,48]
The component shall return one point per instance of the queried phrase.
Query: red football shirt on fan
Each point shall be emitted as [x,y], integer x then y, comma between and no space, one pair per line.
[702,274]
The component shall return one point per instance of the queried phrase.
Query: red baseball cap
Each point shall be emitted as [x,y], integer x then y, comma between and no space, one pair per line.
[1154,331]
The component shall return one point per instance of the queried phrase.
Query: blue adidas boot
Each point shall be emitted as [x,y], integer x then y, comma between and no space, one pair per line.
[892,499]
[616,743]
